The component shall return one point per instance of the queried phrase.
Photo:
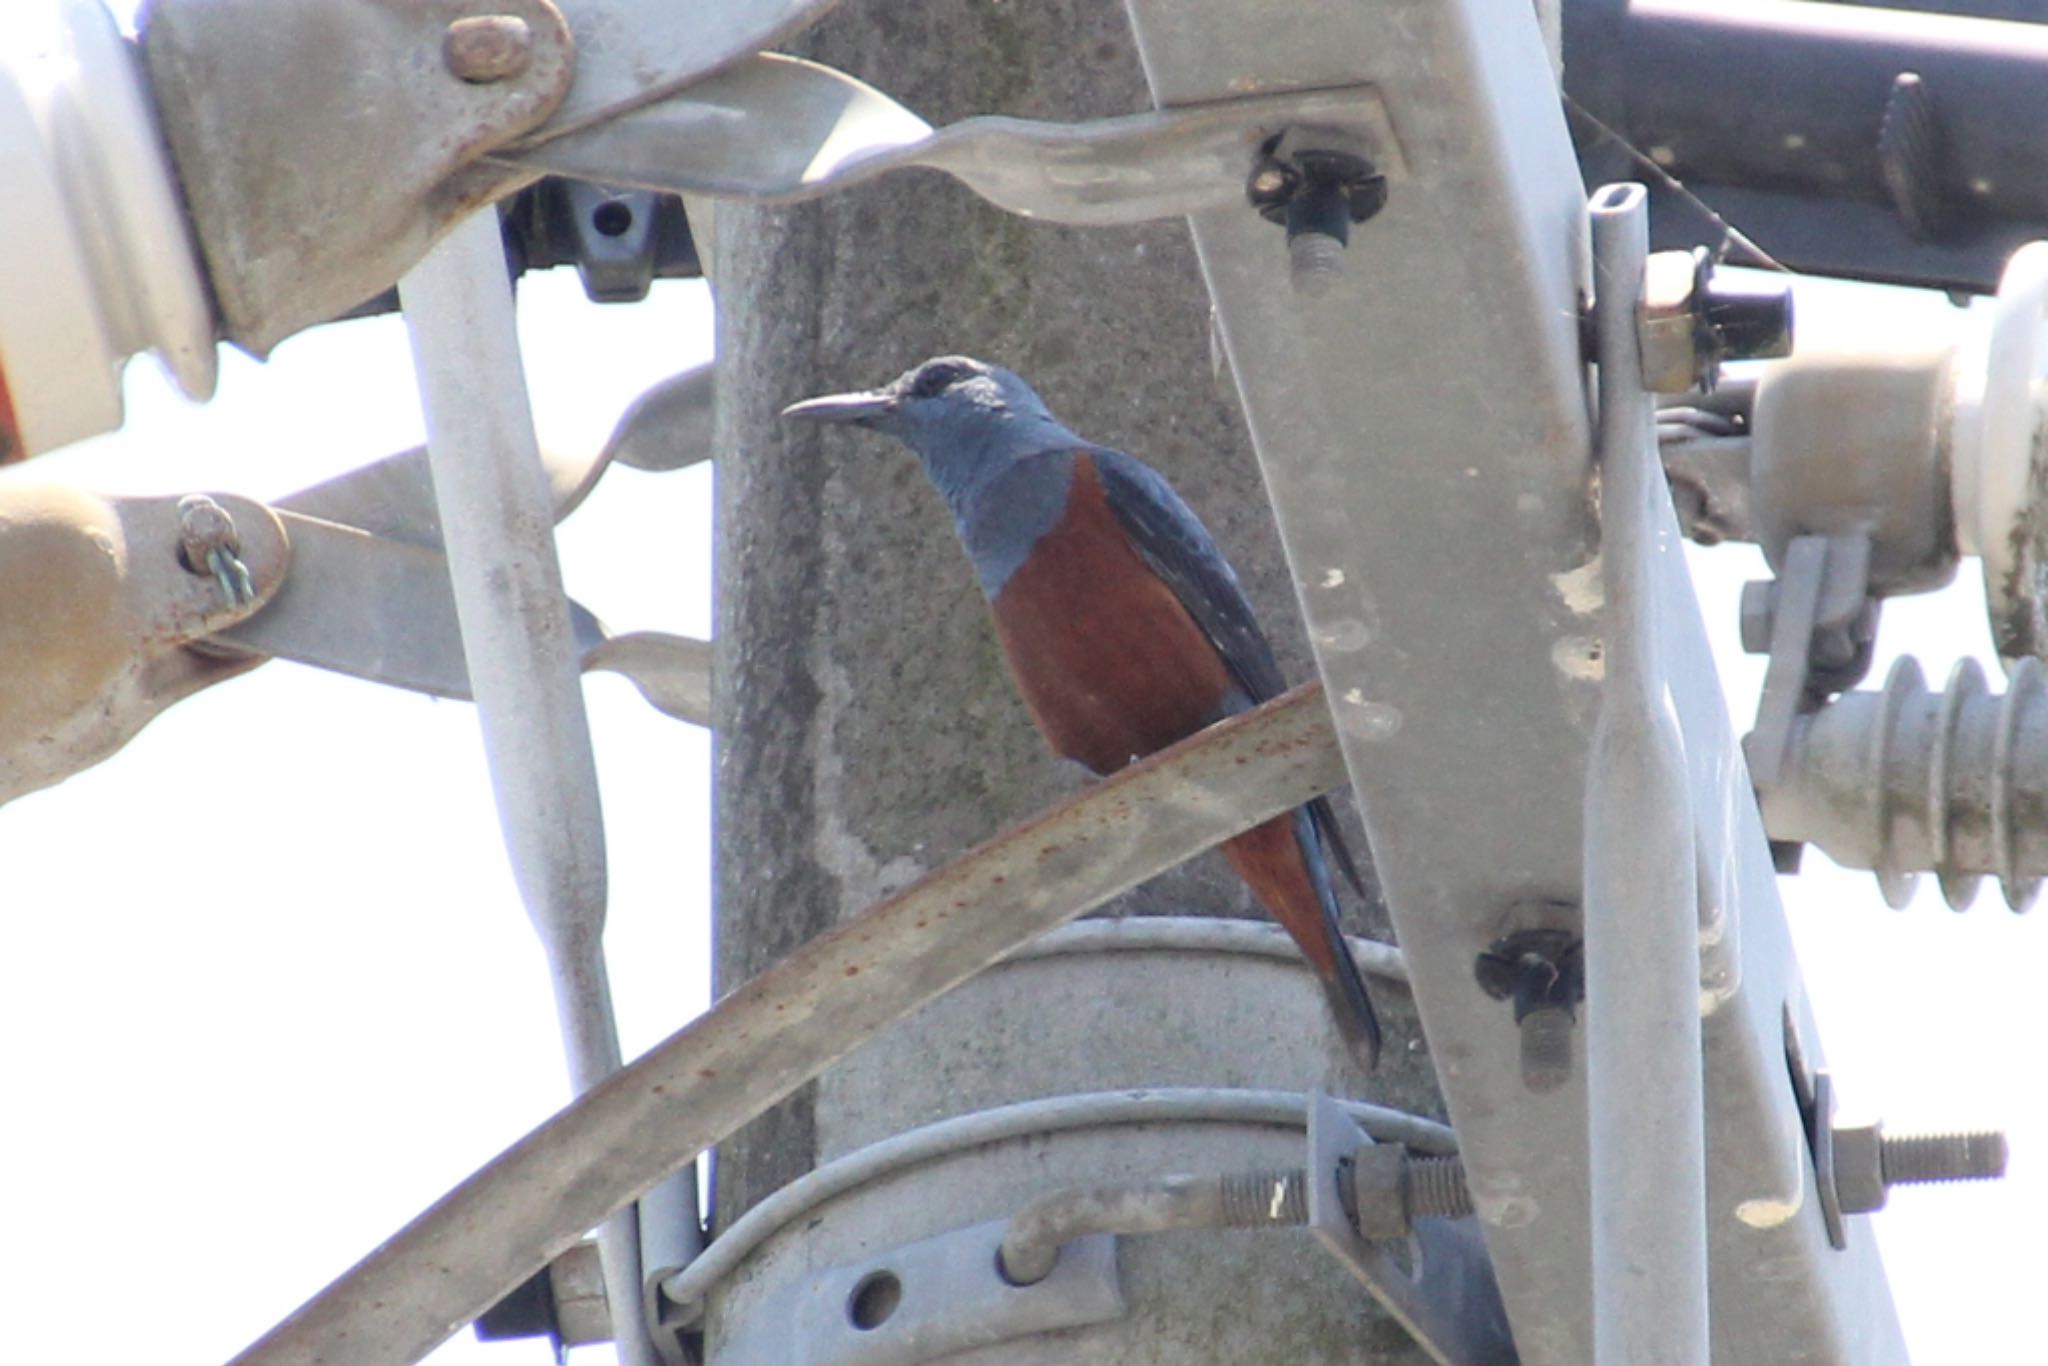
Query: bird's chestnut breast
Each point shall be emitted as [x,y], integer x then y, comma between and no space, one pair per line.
[1110,664]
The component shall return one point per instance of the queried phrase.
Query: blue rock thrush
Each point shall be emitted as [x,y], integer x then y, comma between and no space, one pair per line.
[1124,627]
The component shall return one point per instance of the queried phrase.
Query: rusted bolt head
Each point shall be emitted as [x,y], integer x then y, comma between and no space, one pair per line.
[203,526]
[488,47]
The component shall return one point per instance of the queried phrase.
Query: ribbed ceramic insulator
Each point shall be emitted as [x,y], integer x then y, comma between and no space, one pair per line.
[1904,781]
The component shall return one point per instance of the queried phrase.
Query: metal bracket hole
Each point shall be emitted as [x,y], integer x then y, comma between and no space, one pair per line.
[874,1300]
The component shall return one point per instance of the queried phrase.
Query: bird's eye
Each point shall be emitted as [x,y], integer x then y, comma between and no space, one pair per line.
[934,380]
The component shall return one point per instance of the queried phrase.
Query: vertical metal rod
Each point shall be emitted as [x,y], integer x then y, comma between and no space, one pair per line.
[498,527]
[1646,1122]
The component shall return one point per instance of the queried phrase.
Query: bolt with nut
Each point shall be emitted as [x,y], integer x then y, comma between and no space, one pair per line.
[1542,971]
[207,546]
[1869,1162]
[1317,193]
[1855,1166]
[1387,1188]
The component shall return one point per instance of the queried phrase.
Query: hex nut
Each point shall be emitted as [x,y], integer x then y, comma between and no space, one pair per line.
[1379,1183]
[1859,1167]
[1668,327]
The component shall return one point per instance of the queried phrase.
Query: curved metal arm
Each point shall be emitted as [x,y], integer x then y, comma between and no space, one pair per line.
[776,127]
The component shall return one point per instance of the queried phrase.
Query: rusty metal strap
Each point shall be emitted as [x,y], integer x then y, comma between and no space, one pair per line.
[822,1001]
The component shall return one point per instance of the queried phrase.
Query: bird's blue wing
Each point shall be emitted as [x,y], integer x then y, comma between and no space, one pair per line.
[1179,549]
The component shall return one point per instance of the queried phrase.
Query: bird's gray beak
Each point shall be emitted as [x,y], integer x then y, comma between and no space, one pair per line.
[864,410]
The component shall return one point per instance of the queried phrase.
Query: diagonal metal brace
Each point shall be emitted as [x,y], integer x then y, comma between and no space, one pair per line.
[384,611]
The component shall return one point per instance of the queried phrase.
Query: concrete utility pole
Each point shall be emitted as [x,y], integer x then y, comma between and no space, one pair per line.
[867,731]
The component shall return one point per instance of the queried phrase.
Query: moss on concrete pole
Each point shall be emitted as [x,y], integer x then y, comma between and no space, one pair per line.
[867,731]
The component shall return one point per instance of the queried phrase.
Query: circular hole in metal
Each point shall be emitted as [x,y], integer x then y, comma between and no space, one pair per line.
[613,218]
[874,1300]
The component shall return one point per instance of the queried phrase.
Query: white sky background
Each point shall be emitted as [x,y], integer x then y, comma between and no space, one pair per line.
[269,990]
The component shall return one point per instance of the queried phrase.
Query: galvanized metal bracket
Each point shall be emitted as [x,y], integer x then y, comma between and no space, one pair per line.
[324,145]
[779,128]
[383,610]
[1817,622]
[1450,1301]
[673,673]
[376,609]
[416,114]
[1481,253]
[144,623]
[666,428]
[927,1300]
[371,598]
[632,54]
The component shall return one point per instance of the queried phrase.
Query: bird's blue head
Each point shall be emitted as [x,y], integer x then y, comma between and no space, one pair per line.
[966,419]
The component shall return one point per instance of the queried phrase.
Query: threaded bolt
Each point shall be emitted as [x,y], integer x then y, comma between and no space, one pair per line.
[1314,261]
[1255,1199]
[1546,1048]
[1437,1188]
[1919,1159]
[1317,193]
[1541,972]
[1868,1162]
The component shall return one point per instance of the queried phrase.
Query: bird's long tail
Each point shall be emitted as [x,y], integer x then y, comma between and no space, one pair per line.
[1282,862]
